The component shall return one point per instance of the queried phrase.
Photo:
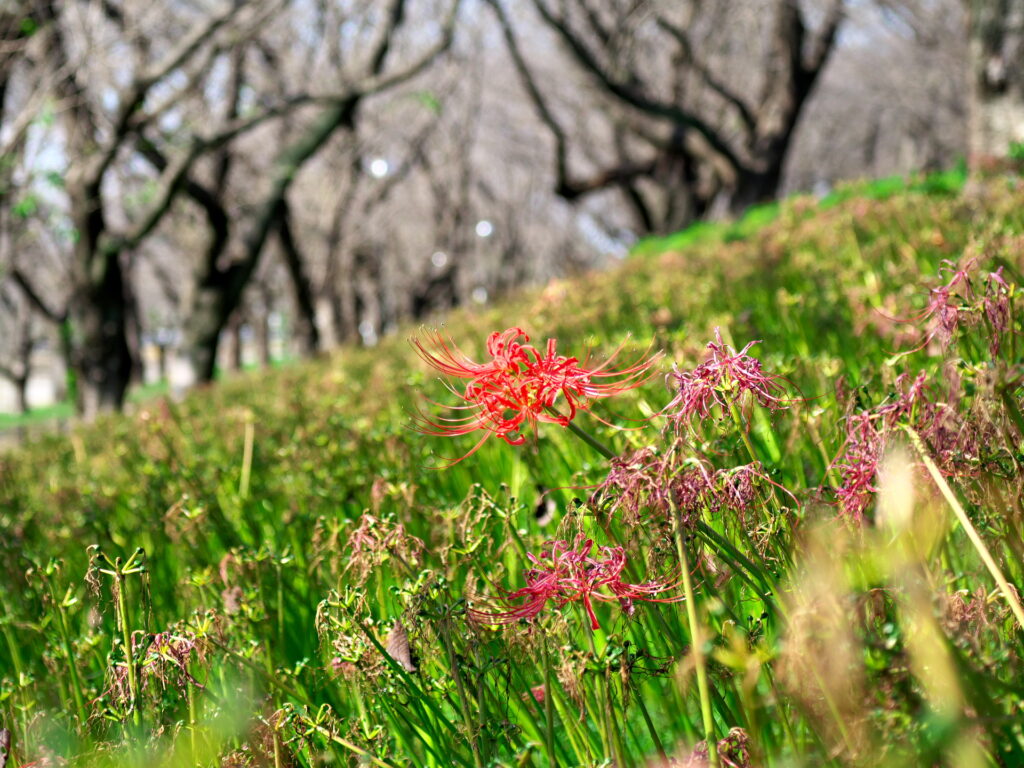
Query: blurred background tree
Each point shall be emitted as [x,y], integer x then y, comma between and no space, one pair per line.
[996,79]
[188,187]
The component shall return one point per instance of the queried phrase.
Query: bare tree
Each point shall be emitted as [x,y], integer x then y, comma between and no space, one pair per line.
[218,278]
[703,142]
[868,118]
[94,136]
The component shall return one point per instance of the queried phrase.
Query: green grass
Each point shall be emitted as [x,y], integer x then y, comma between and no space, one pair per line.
[280,527]
[35,416]
[757,217]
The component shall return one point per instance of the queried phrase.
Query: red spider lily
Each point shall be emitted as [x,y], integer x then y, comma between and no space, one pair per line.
[520,386]
[567,573]
[721,380]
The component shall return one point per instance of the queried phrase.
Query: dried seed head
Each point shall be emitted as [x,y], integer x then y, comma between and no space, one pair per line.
[397,646]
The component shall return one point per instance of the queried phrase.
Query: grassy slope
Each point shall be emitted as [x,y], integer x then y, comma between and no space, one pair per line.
[331,441]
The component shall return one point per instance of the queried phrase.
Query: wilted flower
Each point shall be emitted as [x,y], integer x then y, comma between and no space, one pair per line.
[170,655]
[378,538]
[646,483]
[946,304]
[565,573]
[733,752]
[520,386]
[859,465]
[721,380]
[953,442]
[996,305]
[637,482]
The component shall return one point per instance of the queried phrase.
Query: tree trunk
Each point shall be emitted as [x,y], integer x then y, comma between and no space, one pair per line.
[101,355]
[306,332]
[206,318]
[219,290]
[262,328]
[996,29]
[161,361]
[21,389]
[103,358]
[234,341]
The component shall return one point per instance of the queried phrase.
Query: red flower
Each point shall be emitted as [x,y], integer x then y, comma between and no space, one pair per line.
[566,574]
[519,386]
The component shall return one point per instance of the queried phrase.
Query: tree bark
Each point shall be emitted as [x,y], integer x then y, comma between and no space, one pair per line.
[306,332]
[101,355]
[218,290]
[996,121]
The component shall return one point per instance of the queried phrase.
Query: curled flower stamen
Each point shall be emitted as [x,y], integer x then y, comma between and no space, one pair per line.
[520,387]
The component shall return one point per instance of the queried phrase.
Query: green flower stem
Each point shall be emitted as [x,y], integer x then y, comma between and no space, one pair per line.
[698,650]
[6,618]
[737,419]
[126,638]
[193,722]
[592,441]
[65,633]
[464,707]
[549,712]
[650,726]
[373,759]
[616,730]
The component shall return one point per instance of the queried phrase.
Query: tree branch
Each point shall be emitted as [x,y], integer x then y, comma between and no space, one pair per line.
[384,82]
[133,96]
[536,97]
[300,280]
[34,297]
[690,57]
[396,15]
[630,94]
[824,41]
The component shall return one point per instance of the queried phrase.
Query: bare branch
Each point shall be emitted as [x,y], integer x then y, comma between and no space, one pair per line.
[690,57]
[395,15]
[629,93]
[536,97]
[133,96]
[385,82]
[34,297]
[825,40]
